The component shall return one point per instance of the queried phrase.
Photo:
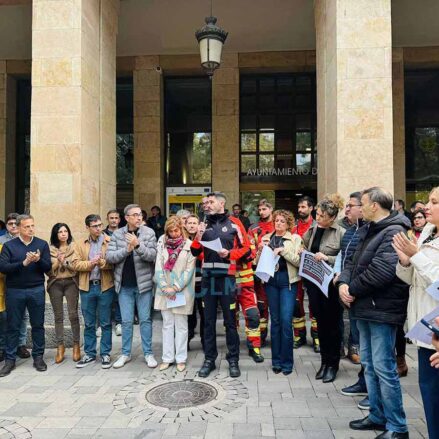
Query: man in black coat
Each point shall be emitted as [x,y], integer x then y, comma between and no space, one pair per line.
[378,301]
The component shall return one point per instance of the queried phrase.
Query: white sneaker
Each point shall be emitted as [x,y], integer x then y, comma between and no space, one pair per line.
[118,330]
[150,361]
[98,332]
[121,361]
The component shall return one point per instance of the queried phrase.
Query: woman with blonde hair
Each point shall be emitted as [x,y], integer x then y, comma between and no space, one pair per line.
[419,267]
[175,282]
[324,240]
[281,289]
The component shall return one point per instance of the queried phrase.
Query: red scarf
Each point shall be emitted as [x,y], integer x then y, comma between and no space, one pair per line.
[174,247]
[303,226]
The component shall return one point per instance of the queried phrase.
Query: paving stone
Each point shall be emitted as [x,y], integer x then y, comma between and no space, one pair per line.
[25,409]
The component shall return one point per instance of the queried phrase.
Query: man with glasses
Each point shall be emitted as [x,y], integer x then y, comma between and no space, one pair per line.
[133,250]
[96,287]
[12,232]
[24,261]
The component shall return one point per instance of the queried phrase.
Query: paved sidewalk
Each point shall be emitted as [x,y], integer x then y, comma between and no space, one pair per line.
[66,402]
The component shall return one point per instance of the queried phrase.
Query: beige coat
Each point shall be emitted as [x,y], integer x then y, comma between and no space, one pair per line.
[182,277]
[330,243]
[420,274]
[292,244]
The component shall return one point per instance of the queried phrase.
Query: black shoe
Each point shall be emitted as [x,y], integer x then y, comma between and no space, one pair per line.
[256,355]
[2,355]
[22,352]
[355,390]
[393,435]
[206,368]
[366,424]
[276,370]
[234,371]
[330,374]
[8,367]
[321,372]
[85,361]
[39,364]
[364,404]
[299,342]
[287,372]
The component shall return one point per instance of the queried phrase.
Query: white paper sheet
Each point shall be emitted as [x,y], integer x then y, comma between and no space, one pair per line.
[267,264]
[180,300]
[317,272]
[433,290]
[420,332]
[214,245]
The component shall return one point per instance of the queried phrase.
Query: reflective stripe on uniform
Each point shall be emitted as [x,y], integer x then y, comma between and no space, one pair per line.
[216,265]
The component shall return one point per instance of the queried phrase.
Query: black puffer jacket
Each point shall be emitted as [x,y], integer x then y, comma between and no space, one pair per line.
[380,296]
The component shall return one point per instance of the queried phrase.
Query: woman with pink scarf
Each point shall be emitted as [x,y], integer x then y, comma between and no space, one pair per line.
[175,282]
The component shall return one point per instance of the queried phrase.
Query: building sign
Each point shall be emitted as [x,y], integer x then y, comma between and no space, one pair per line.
[188,198]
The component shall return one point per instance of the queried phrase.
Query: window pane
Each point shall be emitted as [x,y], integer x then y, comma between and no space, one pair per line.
[285,85]
[201,159]
[248,163]
[284,161]
[303,162]
[248,104]
[266,85]
[303,142]
[124,158]
[426,152]
[250,201]
[283,143]
[248,122]
[248,142]
[266,103]
[248,85]
[266,142]
[303,122]
[266,122]
[266,161]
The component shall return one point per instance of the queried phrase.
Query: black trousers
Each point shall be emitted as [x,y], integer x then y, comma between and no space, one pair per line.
[327,311]
[220,290]
[192,320]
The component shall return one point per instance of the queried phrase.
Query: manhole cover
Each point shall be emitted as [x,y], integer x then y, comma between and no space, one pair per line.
[180,394]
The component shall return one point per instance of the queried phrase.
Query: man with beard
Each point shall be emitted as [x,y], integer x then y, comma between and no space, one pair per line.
[256,231]
[305,221]
[218,279]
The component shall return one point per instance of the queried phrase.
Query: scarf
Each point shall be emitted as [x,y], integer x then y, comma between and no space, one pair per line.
[302,226]
[174,247]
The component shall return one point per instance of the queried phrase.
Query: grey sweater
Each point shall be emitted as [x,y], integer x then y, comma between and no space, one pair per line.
[144,257]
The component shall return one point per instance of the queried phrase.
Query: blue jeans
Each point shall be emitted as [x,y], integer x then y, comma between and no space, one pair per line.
[377,351]
[429,385]
[22,339]
[17,301]
[281,300]
[101,301]
[127,298]
[116,316]
[354,335]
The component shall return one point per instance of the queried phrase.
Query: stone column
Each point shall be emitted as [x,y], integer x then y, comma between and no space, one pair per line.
[148,137]
[398,123]
[3,95]
[225,128]
[354,95]
[73,113]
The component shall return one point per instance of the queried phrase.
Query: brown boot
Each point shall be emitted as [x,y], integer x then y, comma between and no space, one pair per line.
[401,366]
[60,354]
[76,352]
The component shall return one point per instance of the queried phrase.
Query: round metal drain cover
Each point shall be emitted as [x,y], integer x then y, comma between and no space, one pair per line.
[181,394]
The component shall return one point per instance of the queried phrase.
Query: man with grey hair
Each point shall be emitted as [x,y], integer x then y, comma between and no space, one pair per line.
[133,250]
[378,299]
[12,232]
[24,260]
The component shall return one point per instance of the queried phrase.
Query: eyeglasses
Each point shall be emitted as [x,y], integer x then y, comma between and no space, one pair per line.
[350,206]
[418,217]
[12,224]
[135,215]
[96,226]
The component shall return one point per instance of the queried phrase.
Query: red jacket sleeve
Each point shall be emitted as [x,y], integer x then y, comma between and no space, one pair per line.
[241,248]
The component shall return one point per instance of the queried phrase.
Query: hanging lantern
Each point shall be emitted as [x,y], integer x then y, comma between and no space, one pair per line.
[211,39]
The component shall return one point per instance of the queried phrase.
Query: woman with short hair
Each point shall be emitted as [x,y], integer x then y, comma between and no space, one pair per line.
[324,240]
[63,282]
[175,280]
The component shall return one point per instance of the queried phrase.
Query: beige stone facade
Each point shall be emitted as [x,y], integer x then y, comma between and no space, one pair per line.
[73,111]
[360,107]
[354,95]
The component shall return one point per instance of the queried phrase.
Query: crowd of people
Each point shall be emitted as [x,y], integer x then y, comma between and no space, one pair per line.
[383,260]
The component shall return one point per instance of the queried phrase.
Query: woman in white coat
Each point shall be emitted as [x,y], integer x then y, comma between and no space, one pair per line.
[175,284]
[419,267]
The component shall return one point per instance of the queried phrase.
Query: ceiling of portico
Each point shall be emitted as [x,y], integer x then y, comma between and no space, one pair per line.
[167,26]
